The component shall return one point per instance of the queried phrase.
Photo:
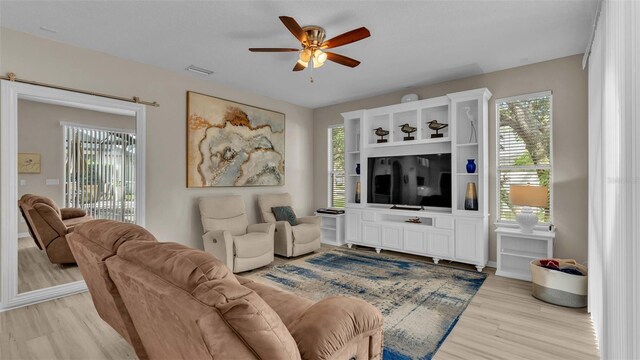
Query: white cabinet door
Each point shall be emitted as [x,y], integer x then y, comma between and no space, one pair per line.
[415,240]
[468,242]
[391,237]
[440,243]
[370,234]
[352,226]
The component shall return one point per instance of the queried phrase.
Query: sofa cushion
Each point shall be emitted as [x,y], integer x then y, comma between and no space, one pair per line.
[287,305]
[70,213]
[332,323]
[29,201]
[73,222]
[305,233]
[285,213]
[266,202]
[252,245]
[109,234]
[180,265]
[224,213]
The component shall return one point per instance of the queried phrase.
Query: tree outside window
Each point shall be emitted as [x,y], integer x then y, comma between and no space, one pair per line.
[336,167]
[524,148]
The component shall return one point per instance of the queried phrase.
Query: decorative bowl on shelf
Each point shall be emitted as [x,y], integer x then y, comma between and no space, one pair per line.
[414,220]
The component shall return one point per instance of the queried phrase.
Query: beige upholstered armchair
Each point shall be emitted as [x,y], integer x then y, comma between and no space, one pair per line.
[290,240]
[230,238]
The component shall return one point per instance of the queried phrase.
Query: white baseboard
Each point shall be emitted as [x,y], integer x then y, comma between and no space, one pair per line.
[23,235]
[492,264]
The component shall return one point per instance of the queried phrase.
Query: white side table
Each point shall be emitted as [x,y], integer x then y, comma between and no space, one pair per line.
[516,249]
[332,229]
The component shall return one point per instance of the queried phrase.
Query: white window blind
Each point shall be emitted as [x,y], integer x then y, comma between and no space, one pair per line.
[336,166]
[524,149]
[100,171]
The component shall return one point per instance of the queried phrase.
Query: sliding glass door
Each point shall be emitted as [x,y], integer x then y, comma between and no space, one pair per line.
[100,171]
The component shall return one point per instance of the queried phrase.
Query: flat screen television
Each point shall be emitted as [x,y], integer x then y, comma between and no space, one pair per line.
[414,180]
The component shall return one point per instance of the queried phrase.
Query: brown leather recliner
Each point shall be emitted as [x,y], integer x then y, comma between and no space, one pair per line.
[175,302]
[48,225]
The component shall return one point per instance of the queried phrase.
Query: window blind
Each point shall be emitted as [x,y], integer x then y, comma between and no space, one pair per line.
[524,149]
[336,167]
[100,172]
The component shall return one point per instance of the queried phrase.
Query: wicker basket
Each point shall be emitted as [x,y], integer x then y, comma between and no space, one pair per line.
[557,287]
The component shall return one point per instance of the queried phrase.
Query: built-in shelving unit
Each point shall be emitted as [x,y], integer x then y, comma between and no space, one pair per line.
[353,145]
[516,250]
[457,233]
[331,229]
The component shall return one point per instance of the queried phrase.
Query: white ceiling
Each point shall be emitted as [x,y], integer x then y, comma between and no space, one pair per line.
[411,43]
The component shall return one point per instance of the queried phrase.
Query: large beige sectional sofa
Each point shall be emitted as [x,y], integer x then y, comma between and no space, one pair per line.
[174,302]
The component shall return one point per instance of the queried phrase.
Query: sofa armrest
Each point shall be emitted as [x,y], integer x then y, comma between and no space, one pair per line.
[310,220]
[72,213]
[330,325]
[51,217]
[283,227]
[283,239]
[220,245]
[263,228]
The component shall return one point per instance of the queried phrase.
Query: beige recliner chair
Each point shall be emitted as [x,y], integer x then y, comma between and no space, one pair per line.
[230,238]
[290,240]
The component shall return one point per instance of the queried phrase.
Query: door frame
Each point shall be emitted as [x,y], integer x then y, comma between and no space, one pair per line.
[10,93]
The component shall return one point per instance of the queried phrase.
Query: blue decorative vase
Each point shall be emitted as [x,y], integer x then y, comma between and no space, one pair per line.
[358,169]
[471,166]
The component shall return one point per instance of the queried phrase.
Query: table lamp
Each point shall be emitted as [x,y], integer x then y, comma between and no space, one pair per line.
[528,196]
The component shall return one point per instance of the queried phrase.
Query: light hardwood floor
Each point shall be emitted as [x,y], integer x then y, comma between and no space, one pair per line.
[502,321]
[35,271]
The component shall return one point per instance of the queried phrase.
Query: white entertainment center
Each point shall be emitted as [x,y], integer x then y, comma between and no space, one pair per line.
[454,233]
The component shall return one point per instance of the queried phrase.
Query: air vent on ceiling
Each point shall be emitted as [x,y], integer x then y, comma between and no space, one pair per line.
[48,29]
[198,70]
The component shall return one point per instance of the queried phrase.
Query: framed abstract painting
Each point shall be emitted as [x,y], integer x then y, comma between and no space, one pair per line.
[233,144]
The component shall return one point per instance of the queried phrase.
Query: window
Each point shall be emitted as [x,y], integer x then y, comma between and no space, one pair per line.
[524,149]
[100,170]
[336,166]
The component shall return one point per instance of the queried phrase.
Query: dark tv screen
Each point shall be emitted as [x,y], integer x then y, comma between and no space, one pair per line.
[416,180]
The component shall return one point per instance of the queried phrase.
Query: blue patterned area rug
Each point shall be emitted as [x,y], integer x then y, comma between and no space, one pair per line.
[421,302]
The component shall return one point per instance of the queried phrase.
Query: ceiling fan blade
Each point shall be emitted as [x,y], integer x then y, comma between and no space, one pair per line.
[342,60]
[295,29]
[346,38]
[299,67]
[273,49]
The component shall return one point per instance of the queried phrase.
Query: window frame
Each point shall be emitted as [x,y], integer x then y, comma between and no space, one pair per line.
[498,168]
[330,170]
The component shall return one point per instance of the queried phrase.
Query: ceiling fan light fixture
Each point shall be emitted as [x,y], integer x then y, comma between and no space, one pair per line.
[312,41]
[305,55]
[319,56]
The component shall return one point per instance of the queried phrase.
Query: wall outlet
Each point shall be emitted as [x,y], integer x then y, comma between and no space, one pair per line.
[53,181]
[23,182]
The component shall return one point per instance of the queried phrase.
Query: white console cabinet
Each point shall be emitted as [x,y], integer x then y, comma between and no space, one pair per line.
[456,233]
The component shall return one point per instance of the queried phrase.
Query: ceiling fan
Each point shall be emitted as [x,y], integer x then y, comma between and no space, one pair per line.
[313,45]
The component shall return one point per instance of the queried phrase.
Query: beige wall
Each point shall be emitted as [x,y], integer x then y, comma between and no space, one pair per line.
[39,131]
[171,208]
[568,82]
